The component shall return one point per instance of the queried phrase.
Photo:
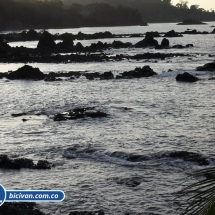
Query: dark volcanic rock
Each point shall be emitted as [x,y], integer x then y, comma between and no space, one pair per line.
[46,41]
[106,76]
[182,47]
[91,76]
[165,43]
[79,113]
[3,47]
[52,77]
[189,45]
[147,41]
[152,34]
[138,72]
[32,34]
[103,76]
[120,44]
[98,46]
[7,163]
[9,208]
[172,34]
[2,75]
[100,212]
[178,47]
[186,77]
[18,114]
[67,42]
[207,67]
[43,164]
[26,72]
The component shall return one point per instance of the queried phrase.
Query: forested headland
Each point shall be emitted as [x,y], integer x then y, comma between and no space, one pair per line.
[54,14]
[25,14]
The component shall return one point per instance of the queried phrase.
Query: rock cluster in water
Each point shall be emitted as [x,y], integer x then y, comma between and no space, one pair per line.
[138,72]
[29,73]
[18,163]
[9,208]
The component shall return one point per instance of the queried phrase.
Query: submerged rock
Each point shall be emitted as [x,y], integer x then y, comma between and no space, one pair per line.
[129,182]
[100,212]
[186,77]
[26,72]
[207,67]
[9,208]
[187,156]
[79,113]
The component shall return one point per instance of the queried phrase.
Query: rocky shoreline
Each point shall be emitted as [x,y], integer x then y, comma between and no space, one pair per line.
[48,51]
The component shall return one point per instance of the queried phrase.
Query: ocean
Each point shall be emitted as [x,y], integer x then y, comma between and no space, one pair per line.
[148,118]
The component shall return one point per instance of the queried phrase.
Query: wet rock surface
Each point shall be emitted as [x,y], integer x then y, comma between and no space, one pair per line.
[138,72]
[153,34]
[18,163]
[207,67]
[172,33]
[186,77]
[26,72]
[9,208]
[103,76]
[79,113]
[165,43]
[147,41]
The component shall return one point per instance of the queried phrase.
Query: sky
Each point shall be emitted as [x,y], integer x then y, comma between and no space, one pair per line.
[206,4]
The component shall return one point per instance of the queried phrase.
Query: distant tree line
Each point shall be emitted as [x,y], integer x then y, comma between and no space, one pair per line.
[22,14]
[41,14]
[158,10]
